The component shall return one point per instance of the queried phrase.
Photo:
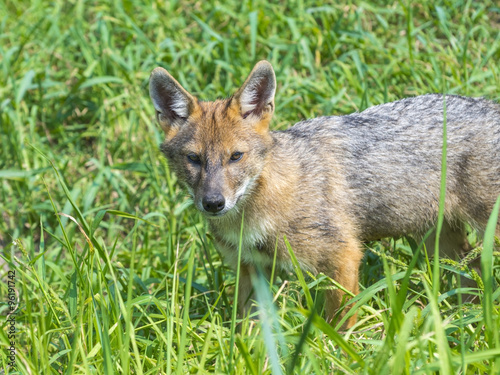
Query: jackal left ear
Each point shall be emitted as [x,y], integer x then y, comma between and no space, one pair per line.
[173,104]
[256,96]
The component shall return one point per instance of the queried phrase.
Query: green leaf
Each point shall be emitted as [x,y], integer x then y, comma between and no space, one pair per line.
[24,85]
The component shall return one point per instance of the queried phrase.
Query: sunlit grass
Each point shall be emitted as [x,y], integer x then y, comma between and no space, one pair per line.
[136,284]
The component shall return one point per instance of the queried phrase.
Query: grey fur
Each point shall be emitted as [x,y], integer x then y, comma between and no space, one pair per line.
[390,157]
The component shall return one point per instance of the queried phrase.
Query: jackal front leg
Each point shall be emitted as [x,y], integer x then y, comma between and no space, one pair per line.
[245,289]
[344,270]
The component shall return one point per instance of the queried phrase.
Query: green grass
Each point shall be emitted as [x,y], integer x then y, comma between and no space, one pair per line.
[136,284]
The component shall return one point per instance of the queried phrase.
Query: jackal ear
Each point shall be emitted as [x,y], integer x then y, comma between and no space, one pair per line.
[256,96]
[173,104]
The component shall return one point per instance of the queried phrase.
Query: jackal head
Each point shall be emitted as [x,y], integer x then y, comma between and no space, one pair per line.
[217,149]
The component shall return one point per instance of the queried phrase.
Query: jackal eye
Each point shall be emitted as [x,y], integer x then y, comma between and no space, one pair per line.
[193,158]
[236,156]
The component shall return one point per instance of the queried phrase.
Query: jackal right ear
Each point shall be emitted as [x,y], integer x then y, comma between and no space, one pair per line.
[172,103]
[256,96]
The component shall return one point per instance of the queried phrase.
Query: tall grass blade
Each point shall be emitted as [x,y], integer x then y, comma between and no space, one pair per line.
[442,196]
[300,275]
[236,294]
[185,318]
[442,345]
[490,318]
[269,321]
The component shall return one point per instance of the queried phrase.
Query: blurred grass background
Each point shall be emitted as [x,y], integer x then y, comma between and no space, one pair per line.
[130,296]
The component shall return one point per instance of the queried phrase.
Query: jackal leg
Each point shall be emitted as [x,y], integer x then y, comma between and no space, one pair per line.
[453,241]
[245,289]
[345,271]
[453,244]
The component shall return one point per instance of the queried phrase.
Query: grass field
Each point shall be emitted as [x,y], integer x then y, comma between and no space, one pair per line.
[114,269]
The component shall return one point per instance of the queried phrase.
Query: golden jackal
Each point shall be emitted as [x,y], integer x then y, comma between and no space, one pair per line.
[329,183]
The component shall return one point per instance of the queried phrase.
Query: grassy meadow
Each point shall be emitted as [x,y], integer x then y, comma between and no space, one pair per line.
[114,270]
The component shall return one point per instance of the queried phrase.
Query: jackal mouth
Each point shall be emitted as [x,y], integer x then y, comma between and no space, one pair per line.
[209,210]
[211,215]
[219,214]
[230,207]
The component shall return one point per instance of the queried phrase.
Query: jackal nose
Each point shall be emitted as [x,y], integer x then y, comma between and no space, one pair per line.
[214,203]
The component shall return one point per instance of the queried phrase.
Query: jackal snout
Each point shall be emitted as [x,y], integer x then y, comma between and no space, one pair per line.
[213,202]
